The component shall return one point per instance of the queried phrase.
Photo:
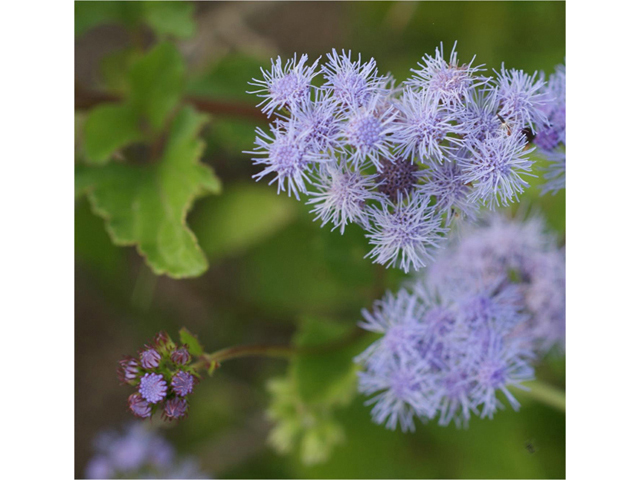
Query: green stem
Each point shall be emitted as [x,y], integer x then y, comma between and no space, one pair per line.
[213,360]
[547,394]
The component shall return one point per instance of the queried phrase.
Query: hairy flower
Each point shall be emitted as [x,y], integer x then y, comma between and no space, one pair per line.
[318,121]
[451,190]
[495,167]
[405,234]
[399,161]
[287,156]
[468,329]
[369,131]
[400,394]
[447,81]
[138,451]
[522,99]
[352,83]
[285,85]
[424,128]
[342,195]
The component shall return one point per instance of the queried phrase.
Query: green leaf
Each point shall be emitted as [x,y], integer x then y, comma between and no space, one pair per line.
[109,128]
[191,341]
[170,18]
[147,206]
[312,428]
[329,376]
[243,217]
[156,83]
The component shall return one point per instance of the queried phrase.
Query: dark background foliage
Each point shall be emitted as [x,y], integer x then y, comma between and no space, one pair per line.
[270,265]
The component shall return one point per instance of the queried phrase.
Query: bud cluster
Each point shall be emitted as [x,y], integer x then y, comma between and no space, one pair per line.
[163,377]
[403,162]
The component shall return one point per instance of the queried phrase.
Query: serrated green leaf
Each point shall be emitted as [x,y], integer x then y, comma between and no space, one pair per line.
[156,83]
[147,206]
[327,377]
[109,128]
[191,341]
[170,18]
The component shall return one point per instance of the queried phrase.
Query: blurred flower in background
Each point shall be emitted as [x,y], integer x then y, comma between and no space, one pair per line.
[139,451]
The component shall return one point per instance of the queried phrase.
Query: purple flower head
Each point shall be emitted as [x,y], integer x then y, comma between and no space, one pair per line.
[405,235]
[99,467]
[181,356]
[446,80]
[128,370]
[495,167]
[501,362]
[138,452]
[318,121]
[556,172]
[285,85]
[499,306]
[403,392]
[351,83]
[342,195]
[398,318]
[522,99]
[286,155]
[457,404]
[139,406]
[153,387]
[175,408]
[452,192]
[478,117]
[546,300]
[182,383]
[550,135]
[370,133]
[423,128]
[398,178]
[150,358]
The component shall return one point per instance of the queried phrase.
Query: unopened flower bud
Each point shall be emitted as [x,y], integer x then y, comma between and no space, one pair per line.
[175,408]
[181,356]
[139,406]
[182,383]
[150,358]
[128,370]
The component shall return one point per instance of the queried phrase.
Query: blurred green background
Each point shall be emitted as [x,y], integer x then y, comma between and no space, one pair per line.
[270,265]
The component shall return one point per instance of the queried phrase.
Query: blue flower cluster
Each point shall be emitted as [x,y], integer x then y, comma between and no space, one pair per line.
[403,162]
[163,378]
[469,328]
[138,452]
